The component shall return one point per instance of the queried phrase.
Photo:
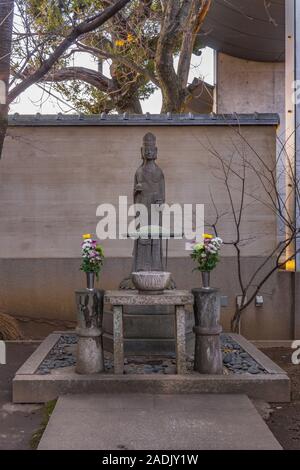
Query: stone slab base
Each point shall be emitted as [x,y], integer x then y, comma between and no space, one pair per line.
[149,346]
[156,422]
[30,387]
[148,330]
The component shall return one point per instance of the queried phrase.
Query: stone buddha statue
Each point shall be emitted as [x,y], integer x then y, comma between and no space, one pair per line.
[149,189]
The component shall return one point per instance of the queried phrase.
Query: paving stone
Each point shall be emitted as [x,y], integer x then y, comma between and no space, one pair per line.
[160,422]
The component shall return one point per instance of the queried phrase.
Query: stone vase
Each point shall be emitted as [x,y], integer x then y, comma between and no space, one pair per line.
[207,329]
[205,279]
[90,280]
[90,356]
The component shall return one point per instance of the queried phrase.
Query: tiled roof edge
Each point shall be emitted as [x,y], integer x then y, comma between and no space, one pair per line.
[190,119]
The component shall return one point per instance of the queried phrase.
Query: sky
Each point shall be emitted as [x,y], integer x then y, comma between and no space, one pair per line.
[35,100]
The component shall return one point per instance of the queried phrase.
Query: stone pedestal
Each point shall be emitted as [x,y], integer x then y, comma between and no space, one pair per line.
[120,299]
[208,354]
[90,358]
[149,330]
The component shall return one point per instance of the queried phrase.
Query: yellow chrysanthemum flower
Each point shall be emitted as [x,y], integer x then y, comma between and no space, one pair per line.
[86,236]
[120,42]
[130,37]
[207,235]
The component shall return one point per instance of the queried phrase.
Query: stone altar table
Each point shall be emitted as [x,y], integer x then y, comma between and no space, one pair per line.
[118,299]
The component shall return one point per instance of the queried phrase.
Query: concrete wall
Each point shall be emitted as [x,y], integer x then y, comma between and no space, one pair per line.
[44,289]
[53,178]
[246,86]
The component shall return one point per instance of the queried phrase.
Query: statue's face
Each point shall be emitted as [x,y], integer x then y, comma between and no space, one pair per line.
[149,152]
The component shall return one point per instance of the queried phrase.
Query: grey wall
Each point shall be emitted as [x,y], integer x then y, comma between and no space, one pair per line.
[44,289]
[245,86]
[53,178]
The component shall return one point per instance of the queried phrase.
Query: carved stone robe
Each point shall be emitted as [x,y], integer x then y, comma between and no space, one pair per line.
[149,188]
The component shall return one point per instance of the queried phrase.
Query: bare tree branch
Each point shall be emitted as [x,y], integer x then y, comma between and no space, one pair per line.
[122,60]
[85,27]
[93,77]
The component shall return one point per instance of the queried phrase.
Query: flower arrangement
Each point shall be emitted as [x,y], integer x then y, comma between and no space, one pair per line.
[206,254]
[92,255]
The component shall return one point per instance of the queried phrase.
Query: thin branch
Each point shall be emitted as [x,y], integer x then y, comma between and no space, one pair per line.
[93,77]
[76,32]
[122,60]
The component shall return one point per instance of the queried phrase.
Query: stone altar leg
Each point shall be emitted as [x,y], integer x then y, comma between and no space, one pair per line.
[180,339]
[90,358]
[118,339]
[208,354]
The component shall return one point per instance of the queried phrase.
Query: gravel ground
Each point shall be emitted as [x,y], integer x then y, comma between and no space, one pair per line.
[19,422]
[235,360]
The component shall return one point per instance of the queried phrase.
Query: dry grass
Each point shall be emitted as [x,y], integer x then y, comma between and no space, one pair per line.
[9,328]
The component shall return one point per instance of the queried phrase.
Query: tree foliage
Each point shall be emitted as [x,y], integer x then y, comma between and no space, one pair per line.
[136,48]
[37,53]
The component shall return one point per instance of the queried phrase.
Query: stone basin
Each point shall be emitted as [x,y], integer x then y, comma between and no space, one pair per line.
[151,282]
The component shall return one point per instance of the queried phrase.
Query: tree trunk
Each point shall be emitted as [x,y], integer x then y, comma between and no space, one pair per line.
[132,107]
[164,60]
[6,26]
[180,18]
[172,103]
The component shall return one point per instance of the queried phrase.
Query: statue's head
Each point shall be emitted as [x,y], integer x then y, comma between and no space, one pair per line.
[149,149]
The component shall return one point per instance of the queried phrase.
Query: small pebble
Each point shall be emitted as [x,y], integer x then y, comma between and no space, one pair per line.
[236,360]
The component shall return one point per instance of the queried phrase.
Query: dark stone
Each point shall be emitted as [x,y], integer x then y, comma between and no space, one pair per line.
[253,370]
[236,359]
[227,358]
[155,362]
[237,366]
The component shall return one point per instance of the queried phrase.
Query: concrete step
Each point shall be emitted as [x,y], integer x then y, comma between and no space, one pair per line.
[156,422]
